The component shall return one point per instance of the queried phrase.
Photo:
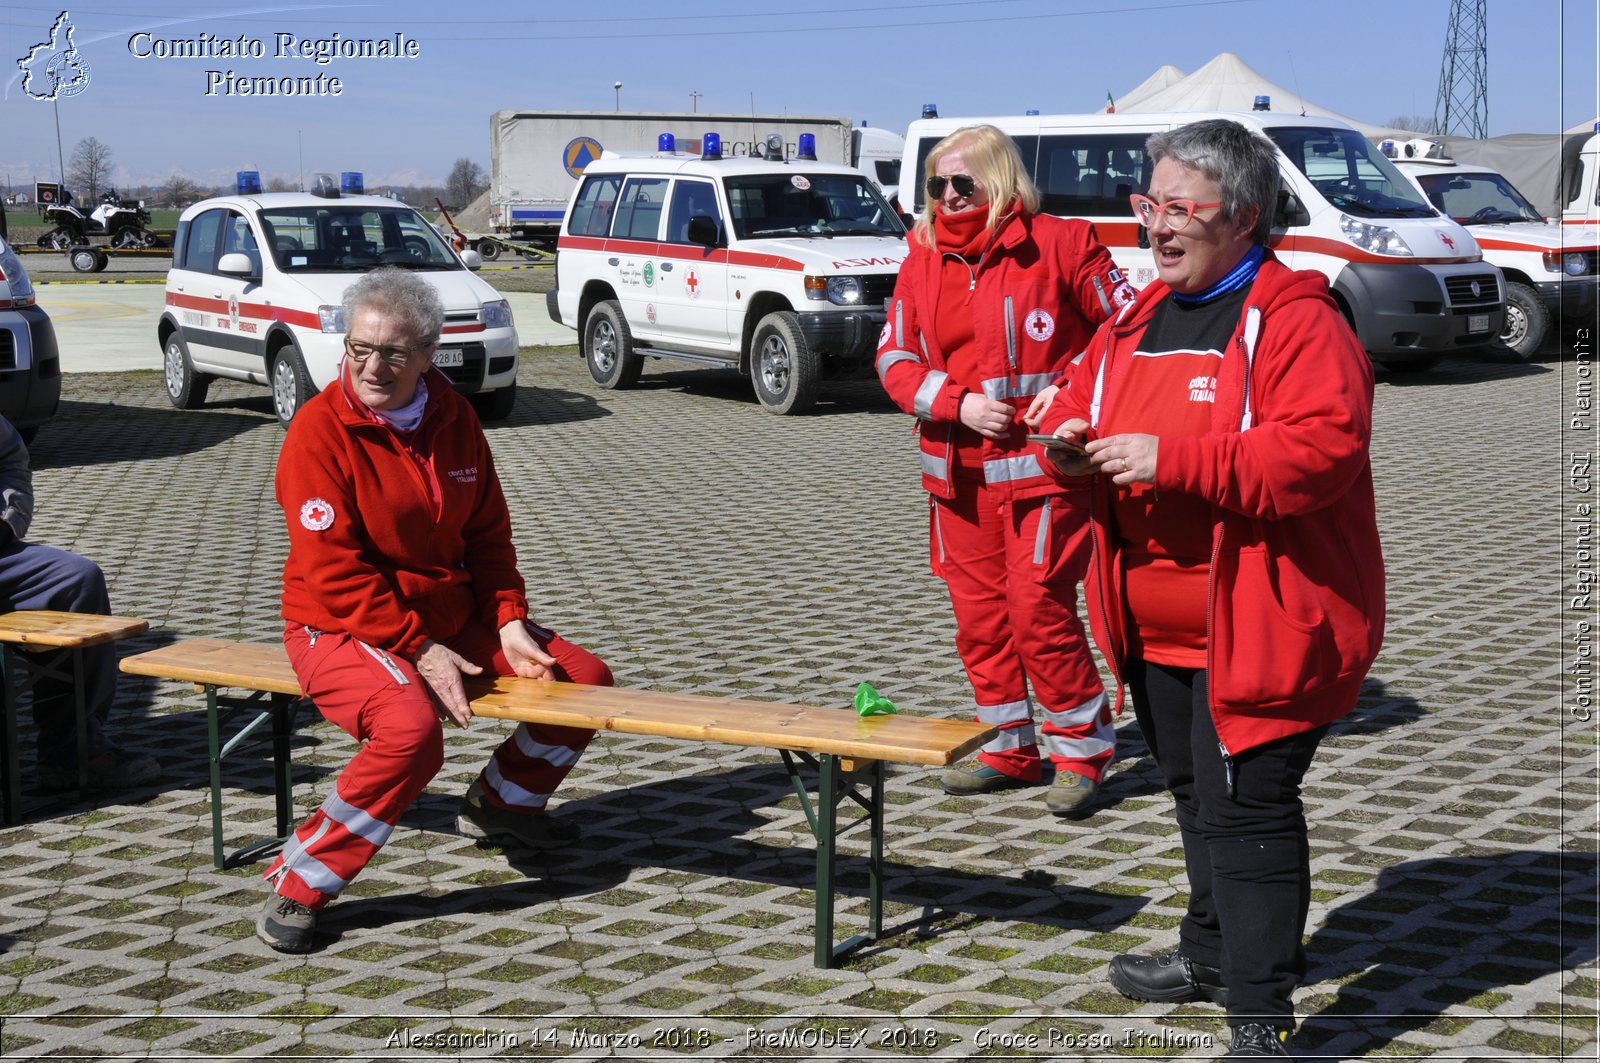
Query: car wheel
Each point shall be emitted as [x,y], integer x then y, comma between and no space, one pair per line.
[1527,321]
[495,405]
[185,388]
[783,367]
[291,384]
[84,259]
[489,250]
[608,347]
[101,260]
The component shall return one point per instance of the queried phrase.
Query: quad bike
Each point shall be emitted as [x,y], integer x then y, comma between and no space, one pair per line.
[122,220]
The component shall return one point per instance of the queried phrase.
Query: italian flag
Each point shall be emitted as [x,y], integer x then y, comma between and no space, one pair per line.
[1111,105]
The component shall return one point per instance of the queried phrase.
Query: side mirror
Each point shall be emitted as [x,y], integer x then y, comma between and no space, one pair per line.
[471,259]
[702,230]
[238,264]
[1291,211]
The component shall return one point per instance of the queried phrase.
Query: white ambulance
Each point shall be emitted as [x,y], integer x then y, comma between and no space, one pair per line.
[256,282]
[778,268]
[1580,180]
[1413,285]
[1552,272]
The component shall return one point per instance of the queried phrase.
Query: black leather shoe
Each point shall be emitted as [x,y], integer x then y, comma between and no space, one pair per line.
[1256,1039]
[1171,978]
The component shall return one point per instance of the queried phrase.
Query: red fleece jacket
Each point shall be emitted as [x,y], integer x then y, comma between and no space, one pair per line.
[1296,592]
[395,538]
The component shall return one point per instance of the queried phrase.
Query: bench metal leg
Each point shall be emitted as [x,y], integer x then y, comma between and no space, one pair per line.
[8,739]
[11,668]
[833,786]
[279,712]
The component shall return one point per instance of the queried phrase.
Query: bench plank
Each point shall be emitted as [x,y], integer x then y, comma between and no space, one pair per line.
[218,662]
[768,725]
[55,629]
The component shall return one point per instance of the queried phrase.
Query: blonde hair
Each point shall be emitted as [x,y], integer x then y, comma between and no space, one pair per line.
[992,158]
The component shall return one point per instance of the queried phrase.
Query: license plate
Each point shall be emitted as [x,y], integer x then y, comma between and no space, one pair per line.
[452,358]
[1477,322]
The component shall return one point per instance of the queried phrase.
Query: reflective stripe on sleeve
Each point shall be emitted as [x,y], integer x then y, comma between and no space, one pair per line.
[889,358]
[928,392]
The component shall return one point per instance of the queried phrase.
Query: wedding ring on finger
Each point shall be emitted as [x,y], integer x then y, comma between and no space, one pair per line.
[1125,466]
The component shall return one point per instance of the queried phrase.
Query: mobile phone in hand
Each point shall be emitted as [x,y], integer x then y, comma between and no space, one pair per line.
[1056,443]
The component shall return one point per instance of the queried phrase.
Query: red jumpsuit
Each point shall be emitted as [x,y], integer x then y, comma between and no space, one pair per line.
[396,538]
[1010,542]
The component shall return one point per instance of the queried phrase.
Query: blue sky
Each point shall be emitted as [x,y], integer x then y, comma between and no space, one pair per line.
[405,120]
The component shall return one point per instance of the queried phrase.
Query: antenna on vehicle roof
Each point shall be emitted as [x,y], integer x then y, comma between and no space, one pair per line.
[1296,77]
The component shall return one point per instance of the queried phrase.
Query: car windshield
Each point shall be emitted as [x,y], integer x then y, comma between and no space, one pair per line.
[1349,173]
[334,238]
[809,204]
[1478,198]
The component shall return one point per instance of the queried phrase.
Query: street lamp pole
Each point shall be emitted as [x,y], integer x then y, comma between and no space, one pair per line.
[617,87]
[694,101]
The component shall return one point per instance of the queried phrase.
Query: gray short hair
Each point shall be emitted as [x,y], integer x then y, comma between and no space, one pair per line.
[1242,162]
[400,293]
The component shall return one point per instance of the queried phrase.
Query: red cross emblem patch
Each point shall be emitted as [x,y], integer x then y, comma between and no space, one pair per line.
[1039,325]
[692,283]
[316,515]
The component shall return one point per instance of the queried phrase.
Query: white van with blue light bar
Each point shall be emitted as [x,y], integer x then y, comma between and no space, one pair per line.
[1552,272]
[778,267]
[256,283]
[1413,285]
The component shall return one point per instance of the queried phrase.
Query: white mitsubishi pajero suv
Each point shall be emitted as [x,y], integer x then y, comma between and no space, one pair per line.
[779,269]
[256,285]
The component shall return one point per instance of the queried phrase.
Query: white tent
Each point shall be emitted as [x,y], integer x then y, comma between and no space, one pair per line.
[1227,83]
[1167,75]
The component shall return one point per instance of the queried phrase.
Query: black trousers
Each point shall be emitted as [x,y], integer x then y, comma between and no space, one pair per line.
[1244,841]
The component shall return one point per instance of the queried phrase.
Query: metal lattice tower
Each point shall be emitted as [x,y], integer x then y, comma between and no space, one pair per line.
[1462,107]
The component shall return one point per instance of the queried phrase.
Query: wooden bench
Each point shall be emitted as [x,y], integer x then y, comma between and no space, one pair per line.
[41,630]
[847,751]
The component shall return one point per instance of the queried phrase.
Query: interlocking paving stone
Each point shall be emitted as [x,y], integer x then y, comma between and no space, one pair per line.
[698,543]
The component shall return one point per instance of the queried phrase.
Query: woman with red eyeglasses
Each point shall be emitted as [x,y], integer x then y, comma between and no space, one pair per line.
[401,584]
[1238,584]
[993,302]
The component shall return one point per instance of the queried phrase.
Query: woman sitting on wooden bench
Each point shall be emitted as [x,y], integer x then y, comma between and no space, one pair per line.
[401,578]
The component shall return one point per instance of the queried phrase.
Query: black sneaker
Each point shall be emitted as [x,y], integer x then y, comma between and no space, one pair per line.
[536,830]
[286,924]
[109,769]
[1171,978]
[1255,1039]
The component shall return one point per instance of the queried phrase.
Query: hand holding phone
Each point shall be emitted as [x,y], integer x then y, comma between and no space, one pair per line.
[1050,441]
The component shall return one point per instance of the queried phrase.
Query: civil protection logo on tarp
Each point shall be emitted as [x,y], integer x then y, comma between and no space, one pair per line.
[54,68]
[579,153]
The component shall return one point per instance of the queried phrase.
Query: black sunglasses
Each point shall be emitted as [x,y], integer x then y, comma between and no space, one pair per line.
[963,184]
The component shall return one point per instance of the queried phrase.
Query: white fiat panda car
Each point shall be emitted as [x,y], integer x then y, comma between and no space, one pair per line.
[256,282]
[777,267]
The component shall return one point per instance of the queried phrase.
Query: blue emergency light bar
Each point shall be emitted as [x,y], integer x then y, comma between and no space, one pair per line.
[247,182]
[666,144]
[1263,103]
[711,146]
[930,110]
[808,147]
[352,183]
